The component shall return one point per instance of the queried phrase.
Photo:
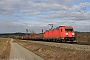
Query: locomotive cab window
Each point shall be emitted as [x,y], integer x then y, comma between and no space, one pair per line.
[68,29]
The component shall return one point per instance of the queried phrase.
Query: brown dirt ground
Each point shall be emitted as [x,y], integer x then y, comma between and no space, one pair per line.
[4,48]
[55,53]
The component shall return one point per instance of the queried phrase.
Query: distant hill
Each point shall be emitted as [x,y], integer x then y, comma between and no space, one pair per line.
[11,34]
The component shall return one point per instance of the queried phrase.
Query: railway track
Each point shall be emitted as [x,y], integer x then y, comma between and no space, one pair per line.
[68,42]
[67,45]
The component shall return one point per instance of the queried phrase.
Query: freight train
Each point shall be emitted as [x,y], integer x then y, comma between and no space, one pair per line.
[59,34]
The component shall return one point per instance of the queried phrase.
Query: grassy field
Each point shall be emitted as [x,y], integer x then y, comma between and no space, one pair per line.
[4,48]
[3,39]
[83,37]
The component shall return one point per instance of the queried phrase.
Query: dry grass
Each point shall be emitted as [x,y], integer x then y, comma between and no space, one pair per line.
[83,37]
[54,53]
[4,48]
[3,39]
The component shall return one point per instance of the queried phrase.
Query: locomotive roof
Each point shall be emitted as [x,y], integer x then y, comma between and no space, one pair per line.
[65,26]
[59,27]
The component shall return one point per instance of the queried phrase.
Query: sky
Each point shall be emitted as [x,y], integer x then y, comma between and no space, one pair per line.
[35,15]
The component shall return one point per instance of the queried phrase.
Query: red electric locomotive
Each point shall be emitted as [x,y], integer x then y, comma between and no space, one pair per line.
[60,34]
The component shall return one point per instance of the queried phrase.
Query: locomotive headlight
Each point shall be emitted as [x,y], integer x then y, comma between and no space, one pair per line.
[66,33]
[72,33]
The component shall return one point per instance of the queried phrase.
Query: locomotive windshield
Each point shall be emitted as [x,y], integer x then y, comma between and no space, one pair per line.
[68,29]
